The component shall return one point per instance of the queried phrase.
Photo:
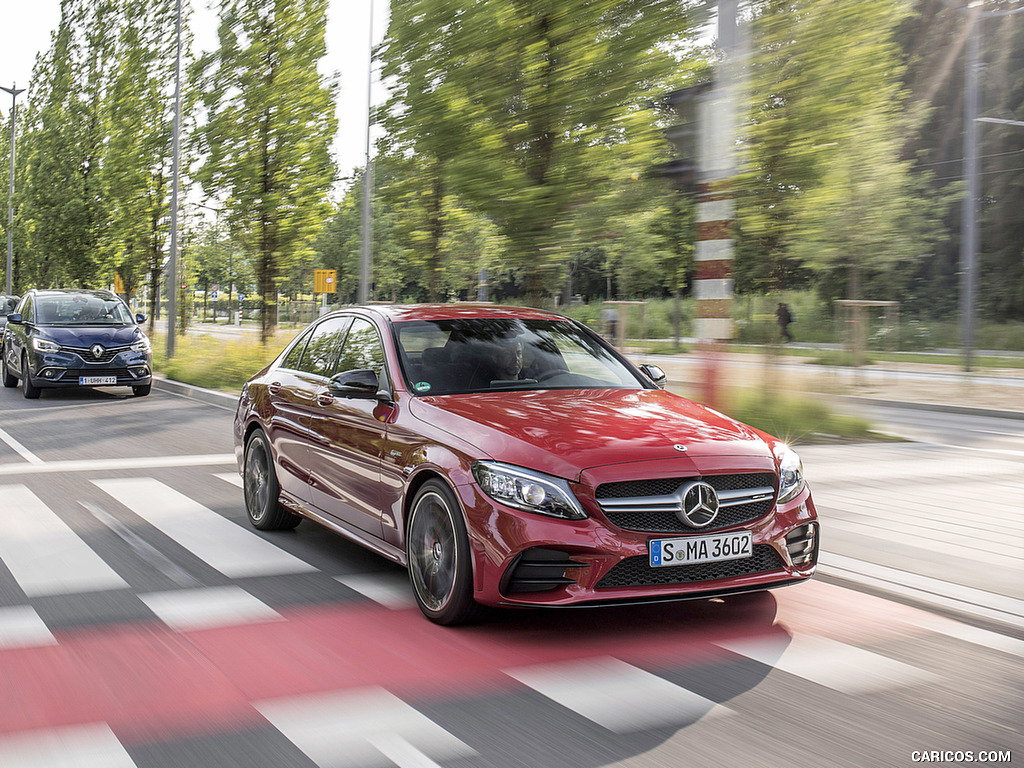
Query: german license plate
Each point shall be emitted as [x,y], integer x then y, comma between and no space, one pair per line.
[700,549]
[93,380]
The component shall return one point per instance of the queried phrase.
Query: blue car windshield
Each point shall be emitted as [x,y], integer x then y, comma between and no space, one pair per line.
[81,309]
[444,357]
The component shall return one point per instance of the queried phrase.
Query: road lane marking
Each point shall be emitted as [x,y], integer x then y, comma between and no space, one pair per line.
[103,465]
[80,746]
[364,728]
[390,590]
[21,627]
[43,553]
[20,449]
[229,548]
[969,634]
[230,477]
[204,608]
[145,551]
[616,695]
[835,665]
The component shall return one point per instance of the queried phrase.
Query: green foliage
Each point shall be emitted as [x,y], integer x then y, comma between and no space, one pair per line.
[270,122]
[797,419]
[215,363]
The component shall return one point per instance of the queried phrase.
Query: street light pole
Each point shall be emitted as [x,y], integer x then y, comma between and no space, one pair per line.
[969,212]
[14,91]
[365,263]
[172,267]
[969,235]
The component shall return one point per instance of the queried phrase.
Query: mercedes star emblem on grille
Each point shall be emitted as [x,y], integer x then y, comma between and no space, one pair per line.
[97,350]
[700,505]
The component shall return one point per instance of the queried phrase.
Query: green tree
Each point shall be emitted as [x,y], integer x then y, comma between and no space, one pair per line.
[507,99]
[267,138]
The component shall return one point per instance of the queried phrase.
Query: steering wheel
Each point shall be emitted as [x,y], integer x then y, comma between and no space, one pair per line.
[550,374]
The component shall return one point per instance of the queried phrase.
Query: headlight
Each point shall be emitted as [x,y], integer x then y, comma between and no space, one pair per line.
[528,490]
[791,473]
[142,345]
[42,345]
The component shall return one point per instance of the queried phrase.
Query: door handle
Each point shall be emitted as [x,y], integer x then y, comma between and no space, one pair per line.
[325,399]
[274,387]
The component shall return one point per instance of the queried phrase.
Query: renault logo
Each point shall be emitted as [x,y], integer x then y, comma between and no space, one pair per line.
[97,350]
[700,505]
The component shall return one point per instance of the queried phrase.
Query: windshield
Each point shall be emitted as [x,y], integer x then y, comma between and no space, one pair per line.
[81,309]
[444,357]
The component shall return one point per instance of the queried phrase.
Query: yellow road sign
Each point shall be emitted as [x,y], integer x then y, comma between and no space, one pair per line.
[325,281]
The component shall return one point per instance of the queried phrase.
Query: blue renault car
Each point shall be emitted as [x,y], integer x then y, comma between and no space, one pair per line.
[75,338]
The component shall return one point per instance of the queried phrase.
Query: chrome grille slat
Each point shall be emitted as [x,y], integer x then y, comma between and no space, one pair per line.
[742,498]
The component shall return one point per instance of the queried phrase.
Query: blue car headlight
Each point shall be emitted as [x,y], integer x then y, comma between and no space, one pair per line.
[528,490]
[142,345]
[791,473]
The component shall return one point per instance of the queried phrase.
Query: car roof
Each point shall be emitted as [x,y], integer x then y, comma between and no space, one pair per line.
[101,293]
[400,313]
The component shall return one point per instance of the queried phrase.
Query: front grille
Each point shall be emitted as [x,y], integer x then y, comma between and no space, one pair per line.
[651,505]
[86,354]
[73,373]
[637,571]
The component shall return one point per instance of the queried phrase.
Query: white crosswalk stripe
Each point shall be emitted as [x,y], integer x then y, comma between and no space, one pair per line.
[616,695]
[231,549]
[365,728]
[835,665]
[391,589]
[21,627]
[187,609]
[44,554]
[84,746]
[230,477]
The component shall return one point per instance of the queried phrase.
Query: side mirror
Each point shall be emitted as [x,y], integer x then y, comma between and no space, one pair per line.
[140,318]
[361,383]
[15,318]
[655,374]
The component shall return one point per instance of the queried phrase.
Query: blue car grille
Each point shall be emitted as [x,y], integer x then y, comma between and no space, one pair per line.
[87,356]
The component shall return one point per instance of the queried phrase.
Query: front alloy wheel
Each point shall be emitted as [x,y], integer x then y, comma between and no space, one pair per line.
[30,390]
[259,482]
[10,380]
[438,552]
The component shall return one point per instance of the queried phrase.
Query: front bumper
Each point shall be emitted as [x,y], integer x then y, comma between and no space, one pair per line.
[522,559]
[65,369]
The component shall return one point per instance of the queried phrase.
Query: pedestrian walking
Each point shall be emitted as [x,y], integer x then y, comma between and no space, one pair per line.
[784,317]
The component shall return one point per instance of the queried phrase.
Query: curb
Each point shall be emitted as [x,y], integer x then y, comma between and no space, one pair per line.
[208,396]
[965,410]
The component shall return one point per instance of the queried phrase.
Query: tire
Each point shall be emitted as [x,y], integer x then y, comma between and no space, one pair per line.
[437,546]
[142,391]
[30,390]
[262,492]
[10,380]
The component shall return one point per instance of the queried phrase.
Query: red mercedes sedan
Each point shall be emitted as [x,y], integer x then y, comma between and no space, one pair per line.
[511,457]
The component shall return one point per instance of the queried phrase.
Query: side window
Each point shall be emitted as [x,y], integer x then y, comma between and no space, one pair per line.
[292,360]
[322,349]
[363,349]
[26,309]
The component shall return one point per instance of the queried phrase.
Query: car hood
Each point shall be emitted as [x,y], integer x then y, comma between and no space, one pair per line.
[565,432]
[87,335]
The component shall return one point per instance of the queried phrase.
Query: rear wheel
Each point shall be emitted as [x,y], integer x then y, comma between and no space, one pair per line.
[10,380]
[439,559]
[30,390]
[262,492]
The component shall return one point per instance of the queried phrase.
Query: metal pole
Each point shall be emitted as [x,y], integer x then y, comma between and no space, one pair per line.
[365,263]
[969,228]
[172,267]
[14,91]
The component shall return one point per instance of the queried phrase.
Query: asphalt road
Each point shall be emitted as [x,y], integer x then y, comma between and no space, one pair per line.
[143,623]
